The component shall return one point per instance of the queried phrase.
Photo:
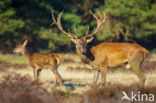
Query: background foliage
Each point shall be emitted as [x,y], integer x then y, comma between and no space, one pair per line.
[127,21]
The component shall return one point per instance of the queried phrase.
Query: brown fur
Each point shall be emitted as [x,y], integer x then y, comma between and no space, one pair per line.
[40,61]
[116,54]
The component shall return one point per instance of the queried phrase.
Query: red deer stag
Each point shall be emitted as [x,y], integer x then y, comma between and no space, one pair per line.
[105,55]
[39,61]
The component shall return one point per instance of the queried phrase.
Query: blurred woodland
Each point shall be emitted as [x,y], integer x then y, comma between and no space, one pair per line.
[127,21]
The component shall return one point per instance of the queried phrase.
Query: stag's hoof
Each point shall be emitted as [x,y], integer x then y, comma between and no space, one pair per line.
[102,85]
[35,82]
[93,85]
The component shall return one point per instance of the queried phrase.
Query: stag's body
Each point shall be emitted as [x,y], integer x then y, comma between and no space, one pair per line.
[39,61]
[106,55]
[116,53]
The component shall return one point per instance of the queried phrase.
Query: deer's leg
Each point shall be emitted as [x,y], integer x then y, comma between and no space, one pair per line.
[35,76]
[96,72]
[57,76]
[100,65]
[52,69]
[135,62]
[103,70]
[35,73]
[96,76]
[38,73]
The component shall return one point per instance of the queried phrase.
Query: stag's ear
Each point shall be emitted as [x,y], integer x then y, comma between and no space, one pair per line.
[73,40]
[89,39]
[25,42]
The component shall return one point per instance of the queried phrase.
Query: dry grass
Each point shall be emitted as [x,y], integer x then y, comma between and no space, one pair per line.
[16,88]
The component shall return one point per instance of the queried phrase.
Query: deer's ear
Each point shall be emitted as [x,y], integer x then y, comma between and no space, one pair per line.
[89,39]
[25,42]
[73,40]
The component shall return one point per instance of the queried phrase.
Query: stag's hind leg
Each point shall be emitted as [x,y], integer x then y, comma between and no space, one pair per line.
[135,62]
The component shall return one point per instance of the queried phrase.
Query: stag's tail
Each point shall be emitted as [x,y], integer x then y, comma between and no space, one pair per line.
[146,52]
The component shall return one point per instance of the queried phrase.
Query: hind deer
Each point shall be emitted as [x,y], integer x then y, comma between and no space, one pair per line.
[39,61]
[105,55]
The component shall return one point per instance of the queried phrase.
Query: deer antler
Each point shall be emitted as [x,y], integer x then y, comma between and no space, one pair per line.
[76,33]
[58,23]
[87,32]
[100,21]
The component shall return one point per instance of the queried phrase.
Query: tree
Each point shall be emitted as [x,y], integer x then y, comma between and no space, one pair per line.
[9,23]
[130,19]
[127,20]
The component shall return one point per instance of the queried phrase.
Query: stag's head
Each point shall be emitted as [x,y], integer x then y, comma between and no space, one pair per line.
[20,48]
[81,43]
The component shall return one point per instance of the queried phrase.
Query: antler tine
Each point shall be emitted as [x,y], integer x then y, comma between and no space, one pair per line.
[93,14]
[102,18]
[99,14]
[99,20]
[59,17]
[87,32]
[58,23]
[76,32]
[69,30]
[53,18]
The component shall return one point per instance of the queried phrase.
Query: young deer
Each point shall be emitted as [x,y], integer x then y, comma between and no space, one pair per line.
[39,61]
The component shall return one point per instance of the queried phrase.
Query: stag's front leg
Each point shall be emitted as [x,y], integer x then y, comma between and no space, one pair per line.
[96,76]
[96,72]
[103,70]
[103,75]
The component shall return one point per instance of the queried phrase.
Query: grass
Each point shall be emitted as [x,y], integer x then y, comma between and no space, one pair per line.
[13,59]
[77,81]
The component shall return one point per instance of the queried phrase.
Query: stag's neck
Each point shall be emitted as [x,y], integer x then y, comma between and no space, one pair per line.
[87,58]
[84,57]
[26,53]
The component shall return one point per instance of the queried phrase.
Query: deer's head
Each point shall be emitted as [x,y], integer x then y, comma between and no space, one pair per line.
[81,43]
[20,48]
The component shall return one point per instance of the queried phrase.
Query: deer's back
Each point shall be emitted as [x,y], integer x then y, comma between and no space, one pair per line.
[44,59]
[116,53]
